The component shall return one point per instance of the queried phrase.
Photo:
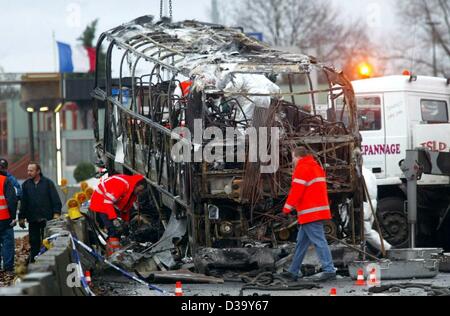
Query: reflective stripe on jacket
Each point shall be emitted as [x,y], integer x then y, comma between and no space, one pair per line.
[4,210]
[116,192]
[309,193]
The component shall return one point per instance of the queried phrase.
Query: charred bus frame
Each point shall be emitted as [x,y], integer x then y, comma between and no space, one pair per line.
[247,201]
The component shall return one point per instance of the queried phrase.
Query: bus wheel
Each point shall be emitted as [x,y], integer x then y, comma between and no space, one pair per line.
[394,221]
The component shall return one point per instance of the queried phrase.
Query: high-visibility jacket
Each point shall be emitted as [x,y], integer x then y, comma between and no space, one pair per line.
[309,194]
[4,210]
[115,193]
[186,87]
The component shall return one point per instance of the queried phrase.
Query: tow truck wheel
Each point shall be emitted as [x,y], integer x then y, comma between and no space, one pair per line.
[394,221]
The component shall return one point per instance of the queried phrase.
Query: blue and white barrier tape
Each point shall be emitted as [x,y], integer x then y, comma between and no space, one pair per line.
[123,272]
[75,255]
[80,271]
[49,239]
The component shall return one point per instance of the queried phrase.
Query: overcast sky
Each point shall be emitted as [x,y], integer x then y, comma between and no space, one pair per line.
[26,26]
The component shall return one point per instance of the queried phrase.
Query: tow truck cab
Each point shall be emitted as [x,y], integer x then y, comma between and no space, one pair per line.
[398,113]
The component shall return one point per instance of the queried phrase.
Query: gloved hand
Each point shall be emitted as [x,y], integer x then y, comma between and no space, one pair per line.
[126,229]
[291,217]
[117,223]
[117,227]
[285,215]
[22,224]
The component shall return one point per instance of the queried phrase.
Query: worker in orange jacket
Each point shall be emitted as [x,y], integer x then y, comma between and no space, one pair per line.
[115,197]
[8,210]
[309,198]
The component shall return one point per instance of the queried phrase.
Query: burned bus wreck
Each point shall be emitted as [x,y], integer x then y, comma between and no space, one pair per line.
[176,94]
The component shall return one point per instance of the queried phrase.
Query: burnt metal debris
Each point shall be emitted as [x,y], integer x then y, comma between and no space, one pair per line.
[185,276]
[234,81]
[430,289]
[268,281]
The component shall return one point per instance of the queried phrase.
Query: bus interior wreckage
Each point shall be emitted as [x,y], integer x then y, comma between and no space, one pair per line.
[161,80]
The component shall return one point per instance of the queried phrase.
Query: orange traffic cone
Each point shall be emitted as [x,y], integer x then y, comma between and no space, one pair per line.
[178,289]
[113,245]
[373,280]
[88,278]
[360,281]
[333,292]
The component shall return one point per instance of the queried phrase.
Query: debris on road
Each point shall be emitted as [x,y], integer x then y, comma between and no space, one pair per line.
[395,288]
[444,262]
[184,276]
[268,281]
[214,261]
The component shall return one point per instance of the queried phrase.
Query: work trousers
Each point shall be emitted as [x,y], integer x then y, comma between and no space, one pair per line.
[7,249]
[312,234]
[36,233]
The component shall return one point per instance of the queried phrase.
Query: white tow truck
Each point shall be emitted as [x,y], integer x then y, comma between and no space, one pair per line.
[396,114]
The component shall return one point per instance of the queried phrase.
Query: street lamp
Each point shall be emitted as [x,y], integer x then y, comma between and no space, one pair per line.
[30,111]
[58,143]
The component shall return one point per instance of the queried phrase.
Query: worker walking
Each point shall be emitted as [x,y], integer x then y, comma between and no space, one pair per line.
[40,203]
[114,198]
[309,198]
[8,209]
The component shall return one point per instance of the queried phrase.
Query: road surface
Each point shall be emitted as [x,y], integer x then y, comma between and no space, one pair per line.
[119,286]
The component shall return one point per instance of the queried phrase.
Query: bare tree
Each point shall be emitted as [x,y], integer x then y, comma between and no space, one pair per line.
[426,35]
[314,27]
[8,91]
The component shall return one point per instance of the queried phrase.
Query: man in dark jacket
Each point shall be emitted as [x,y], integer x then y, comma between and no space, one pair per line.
[8,210]
[40,203]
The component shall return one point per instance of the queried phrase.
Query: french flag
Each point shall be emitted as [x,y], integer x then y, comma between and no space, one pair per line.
[76,59]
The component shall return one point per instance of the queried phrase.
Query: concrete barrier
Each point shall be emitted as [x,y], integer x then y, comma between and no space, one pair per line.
[46,280]
[49,275]
[23,289]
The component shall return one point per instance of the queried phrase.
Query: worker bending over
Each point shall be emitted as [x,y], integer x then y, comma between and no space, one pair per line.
[115,198]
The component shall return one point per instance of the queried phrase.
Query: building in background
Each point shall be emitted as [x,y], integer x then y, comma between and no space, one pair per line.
[14,142]
[77,125]
[13,136]
[54,111]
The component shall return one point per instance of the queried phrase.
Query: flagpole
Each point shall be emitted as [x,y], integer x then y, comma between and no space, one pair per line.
[55,60]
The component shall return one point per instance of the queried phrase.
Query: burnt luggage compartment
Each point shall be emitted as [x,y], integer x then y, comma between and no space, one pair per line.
[164,82]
